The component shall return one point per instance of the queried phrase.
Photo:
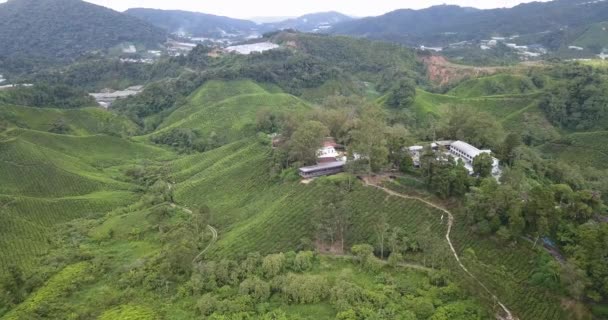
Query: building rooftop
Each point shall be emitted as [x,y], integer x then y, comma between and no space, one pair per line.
[468,149]
[323,166]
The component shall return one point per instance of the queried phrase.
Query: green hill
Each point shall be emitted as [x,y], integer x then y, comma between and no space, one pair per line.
[66,29]
[100,151]
[49,179]
[500,106]
[501,84]
[228,110]
[594,38]
[84,121]
[583,149]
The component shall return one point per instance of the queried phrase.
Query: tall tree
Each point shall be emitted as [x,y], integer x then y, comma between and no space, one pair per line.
[482,165]
[306,140]
[368,138]
[402,94]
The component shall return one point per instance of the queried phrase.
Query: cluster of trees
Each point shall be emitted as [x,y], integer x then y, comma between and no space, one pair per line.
[96,72]
[363,127]
[578,100]
[148,107]
[250,288]
[48,96]
[187,140]
[549,211]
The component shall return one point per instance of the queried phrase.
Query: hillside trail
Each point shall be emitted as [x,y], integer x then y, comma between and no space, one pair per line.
[384,262]
[209,227]
[507,313]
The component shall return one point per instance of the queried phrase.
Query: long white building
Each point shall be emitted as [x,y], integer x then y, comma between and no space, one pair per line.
[459,150]
[467,153]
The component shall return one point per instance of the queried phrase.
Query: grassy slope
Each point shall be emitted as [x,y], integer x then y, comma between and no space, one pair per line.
[583,149]
[500,106]
[519,113]
[229,109]
[49,179]
[506,271]
[500,84]
[83,121]
[255,213]
[596,35]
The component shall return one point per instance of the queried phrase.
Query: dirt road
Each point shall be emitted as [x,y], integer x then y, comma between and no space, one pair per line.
[507,313]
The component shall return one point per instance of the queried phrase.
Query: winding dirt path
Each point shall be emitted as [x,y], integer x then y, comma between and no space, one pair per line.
[507,313]
[209,227]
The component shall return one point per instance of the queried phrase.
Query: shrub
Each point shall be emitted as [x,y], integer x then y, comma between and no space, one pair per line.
[256,288]
[304,289]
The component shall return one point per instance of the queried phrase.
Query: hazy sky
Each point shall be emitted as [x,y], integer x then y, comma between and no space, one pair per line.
[266,8]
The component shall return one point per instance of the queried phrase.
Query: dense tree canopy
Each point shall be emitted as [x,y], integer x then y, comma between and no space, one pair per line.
[579,100]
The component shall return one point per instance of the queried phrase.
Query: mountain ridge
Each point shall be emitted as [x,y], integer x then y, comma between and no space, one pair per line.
[444,24]
[65,29]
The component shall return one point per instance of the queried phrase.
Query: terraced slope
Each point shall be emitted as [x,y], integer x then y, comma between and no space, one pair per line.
[500,106]
[229,109]
[48,179]
[255,213]
[84,121]
[100,151]
[583,149]
[500,84]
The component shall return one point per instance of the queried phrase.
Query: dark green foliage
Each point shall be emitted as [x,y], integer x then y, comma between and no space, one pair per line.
[48,96]
[579,100]
[477,128]
[306,141]
[60,127]
[402,94]
[445,177]
[182,139]
[407,164]
[482,165]
[96,73]
[64,29]
[158,97]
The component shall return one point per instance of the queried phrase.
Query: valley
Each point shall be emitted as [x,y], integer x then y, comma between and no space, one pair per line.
[466,189]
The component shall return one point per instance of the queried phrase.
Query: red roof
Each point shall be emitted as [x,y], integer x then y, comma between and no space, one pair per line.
[330,142]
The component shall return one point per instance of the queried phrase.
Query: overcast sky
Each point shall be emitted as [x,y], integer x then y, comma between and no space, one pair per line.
[267,8]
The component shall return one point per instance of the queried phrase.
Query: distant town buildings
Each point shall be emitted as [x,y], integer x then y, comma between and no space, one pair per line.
[129,49]
[251,48]
[10,86]
[107,96]
[524,51]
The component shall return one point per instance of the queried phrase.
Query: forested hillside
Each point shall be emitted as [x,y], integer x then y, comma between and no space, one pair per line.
[442,25]
[193,23]
[66,29]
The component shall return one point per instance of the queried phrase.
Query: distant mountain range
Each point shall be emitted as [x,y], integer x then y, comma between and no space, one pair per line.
[63,29]
[194,23]
[553,24]
[206,25]
[315,22]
